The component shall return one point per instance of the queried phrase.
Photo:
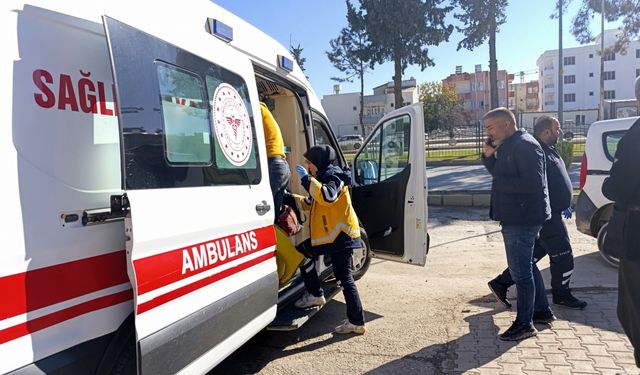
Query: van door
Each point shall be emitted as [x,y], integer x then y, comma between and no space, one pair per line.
[200,239]
[390,192]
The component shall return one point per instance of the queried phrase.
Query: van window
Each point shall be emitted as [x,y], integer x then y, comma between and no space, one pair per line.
[387,152]
[610,143]
[185,116]
[173,136]
[320,135]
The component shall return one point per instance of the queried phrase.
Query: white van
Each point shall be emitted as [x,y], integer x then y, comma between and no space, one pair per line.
[593,209]
[139,231]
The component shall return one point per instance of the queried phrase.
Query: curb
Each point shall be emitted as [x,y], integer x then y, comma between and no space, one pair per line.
[461,198]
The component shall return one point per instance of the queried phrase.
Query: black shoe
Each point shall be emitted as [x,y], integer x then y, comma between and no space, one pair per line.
[518,331]
[569,302]
[543,317]
[499,292]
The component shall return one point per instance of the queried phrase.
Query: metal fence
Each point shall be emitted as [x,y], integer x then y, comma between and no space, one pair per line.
[466,143]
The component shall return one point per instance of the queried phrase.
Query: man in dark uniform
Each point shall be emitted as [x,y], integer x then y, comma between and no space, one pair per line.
[623,187]
[554,238]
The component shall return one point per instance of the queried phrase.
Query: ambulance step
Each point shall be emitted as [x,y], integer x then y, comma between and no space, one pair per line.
[291,318]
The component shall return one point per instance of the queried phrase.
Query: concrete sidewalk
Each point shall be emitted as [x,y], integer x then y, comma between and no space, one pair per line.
[468,185]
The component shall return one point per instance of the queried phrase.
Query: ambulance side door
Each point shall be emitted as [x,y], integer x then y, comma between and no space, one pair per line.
[200,239]
[390,187]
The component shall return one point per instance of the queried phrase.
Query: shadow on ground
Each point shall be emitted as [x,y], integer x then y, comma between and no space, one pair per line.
[268,346]
[481,345]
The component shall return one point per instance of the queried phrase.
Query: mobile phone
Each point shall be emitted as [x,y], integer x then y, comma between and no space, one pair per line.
[489,142]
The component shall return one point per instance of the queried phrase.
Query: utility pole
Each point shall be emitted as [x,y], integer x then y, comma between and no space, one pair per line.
[601,104]
[560,67]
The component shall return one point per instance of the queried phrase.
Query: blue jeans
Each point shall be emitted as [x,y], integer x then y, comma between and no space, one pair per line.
[279,174]
[519,242]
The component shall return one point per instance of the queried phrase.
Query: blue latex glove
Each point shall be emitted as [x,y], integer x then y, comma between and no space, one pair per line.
[567,213]
[301,171]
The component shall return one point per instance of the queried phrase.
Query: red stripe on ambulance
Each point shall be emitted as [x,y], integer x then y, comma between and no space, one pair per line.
[42,287]
[167,268]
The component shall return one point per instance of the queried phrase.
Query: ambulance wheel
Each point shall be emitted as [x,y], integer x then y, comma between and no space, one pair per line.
[361,257]
[120,356]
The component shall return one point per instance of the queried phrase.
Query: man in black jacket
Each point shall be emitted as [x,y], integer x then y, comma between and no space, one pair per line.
[520,202]
[554,238]
[623,187]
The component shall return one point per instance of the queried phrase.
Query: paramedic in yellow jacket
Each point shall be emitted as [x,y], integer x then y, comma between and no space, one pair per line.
[334,232]
[279,172]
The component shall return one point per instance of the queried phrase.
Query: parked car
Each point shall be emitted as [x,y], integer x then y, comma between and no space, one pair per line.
[593,209]
[350,142]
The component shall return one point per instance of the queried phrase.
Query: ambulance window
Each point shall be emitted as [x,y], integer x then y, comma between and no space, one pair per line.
[320,135]
[386,154]
[185,116]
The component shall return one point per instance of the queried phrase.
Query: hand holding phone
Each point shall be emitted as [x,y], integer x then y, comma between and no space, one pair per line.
[489,147]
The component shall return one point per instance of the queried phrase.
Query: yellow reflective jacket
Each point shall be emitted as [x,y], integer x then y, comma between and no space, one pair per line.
[330,210]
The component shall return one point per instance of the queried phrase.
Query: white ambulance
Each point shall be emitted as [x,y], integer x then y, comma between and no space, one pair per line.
[139,230]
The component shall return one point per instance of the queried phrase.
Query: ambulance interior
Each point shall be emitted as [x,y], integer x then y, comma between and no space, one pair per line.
[283,104]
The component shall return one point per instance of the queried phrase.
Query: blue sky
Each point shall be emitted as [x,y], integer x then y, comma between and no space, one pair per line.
[528,32]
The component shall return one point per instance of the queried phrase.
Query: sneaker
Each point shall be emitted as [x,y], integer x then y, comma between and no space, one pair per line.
[518,331]
[569,302]
[543,317]
[348,327]
[309,300]
[499,292]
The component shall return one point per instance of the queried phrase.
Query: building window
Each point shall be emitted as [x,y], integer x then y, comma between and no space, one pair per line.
[637,72]
[569,98]
[580,119]
[590,93]
[609,56]
[638,54]
[591,55]
[609,94]
[609,75]
[570,60]
[570,79]
[590,74]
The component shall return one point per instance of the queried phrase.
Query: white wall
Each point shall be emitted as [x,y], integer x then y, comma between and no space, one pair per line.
[586,88]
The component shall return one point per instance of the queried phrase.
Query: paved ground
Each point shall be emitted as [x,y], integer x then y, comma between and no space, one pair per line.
[441,319]
[473,177]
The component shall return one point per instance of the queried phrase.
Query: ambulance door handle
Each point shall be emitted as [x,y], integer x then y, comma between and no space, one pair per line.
[262,208]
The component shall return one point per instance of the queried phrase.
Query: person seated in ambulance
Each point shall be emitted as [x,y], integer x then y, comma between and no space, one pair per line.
[279,172]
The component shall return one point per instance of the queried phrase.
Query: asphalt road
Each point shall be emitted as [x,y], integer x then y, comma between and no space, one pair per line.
[441,319]
[473,177]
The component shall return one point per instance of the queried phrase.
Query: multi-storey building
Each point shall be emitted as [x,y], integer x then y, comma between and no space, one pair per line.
[523,97]
[343,109]
[475,90]
[581,74]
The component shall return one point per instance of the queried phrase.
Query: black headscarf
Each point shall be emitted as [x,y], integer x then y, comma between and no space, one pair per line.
[321,156]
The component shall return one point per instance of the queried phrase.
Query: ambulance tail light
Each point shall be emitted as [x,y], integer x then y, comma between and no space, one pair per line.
[220,30]
[285,63]
[583,171]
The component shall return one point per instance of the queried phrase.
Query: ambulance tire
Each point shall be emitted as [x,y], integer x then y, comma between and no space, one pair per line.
[120,356]
[362,258]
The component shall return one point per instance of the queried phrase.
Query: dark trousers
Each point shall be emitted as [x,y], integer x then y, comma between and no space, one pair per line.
[279,174]
[553,241]
[629,302]
[342,269]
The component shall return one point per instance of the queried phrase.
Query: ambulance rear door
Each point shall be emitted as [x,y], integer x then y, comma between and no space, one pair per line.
[390,187]
[200,238]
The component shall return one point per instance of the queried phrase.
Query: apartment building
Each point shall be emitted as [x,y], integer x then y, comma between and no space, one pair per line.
[475,89]
[343,109]
[523,97]
[581,74]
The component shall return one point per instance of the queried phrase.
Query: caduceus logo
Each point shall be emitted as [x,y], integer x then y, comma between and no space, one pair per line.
[232,124]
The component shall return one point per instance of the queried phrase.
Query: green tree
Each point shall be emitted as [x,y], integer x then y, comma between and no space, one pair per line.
[297,55]
[442,106]
[627,11]
[350,54]
[481,20]
[400,31]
